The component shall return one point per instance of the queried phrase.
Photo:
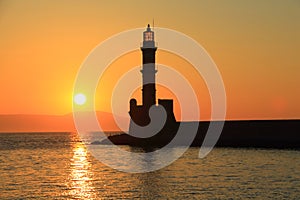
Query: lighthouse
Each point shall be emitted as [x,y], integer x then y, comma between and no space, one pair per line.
[148,69]
[139,114]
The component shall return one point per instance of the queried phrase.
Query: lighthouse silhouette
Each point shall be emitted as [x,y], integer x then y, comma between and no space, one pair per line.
[150,115]
[148,70]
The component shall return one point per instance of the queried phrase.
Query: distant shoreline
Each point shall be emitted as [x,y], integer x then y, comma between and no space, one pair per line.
[266,134]
[35,132]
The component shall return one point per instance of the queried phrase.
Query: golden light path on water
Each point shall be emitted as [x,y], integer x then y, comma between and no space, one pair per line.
[81,175]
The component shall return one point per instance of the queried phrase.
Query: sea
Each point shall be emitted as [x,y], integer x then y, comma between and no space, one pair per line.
[59,166]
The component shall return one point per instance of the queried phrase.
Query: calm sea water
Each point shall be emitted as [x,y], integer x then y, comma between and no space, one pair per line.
[57,166]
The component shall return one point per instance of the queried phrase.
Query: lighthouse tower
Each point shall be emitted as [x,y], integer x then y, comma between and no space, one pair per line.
[139,114]
[148,69]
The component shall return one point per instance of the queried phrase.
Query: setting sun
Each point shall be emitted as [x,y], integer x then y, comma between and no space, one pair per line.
[79,99]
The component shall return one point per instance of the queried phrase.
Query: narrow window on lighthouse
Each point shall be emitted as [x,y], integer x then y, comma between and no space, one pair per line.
[148,36]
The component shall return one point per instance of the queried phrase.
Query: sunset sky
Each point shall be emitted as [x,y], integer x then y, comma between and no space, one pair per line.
[255,44]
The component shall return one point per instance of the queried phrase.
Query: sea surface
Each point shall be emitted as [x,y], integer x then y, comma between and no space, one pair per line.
[58,166]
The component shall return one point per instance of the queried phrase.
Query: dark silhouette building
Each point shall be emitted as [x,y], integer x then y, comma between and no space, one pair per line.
[140,113]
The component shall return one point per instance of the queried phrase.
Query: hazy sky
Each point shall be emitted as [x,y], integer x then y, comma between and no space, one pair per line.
[255,44]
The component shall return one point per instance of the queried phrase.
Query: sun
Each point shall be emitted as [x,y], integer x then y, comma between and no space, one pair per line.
[79,99]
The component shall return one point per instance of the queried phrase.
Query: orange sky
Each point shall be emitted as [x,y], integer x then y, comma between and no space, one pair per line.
[256,46]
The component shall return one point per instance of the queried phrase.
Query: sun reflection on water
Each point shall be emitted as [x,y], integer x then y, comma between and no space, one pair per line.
[81,175]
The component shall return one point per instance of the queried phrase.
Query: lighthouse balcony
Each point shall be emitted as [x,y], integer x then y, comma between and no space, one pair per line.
[148,44]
